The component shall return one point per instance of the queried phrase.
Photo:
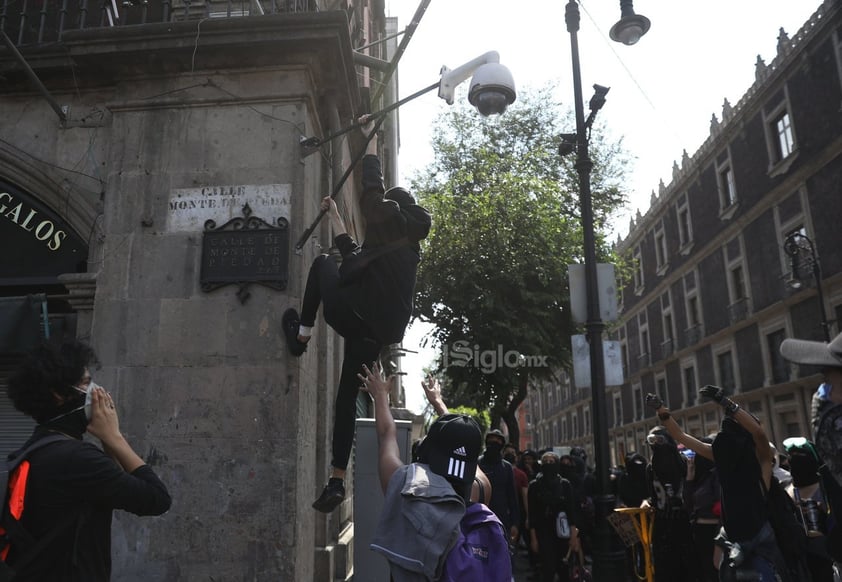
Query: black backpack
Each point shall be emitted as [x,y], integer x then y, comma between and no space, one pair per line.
[12,533]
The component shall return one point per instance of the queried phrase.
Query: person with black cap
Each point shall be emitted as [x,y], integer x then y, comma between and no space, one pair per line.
[367,300]
[427,502]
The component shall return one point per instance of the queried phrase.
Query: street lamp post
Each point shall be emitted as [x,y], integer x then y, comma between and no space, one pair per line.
[609,554]
[796,245]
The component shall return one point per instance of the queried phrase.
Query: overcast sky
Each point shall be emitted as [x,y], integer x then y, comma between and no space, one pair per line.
[663,91]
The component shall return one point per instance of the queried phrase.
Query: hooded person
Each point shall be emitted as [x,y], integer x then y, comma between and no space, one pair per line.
[672,543]
[633,487]
[368,300]
[504,498]
[704,506]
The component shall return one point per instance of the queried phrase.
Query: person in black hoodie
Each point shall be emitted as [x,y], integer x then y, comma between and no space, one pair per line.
[367,300]
[73,486]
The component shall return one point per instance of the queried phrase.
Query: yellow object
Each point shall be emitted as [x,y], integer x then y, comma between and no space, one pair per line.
[641,517]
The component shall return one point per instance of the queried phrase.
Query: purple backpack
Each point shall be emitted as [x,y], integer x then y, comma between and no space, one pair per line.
[481,553]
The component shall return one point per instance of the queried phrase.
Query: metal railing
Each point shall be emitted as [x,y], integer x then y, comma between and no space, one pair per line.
[39,22]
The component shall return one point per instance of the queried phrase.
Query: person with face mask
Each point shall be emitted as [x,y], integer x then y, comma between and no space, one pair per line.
[550,495]
[73,486]
[743,461]
[807,493]
[826,422]
[672,549]
[703,504]
[504,500]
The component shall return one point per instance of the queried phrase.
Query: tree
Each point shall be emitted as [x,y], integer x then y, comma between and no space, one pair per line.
[506,223]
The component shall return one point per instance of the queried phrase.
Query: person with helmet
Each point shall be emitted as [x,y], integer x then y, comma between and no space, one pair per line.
[672,544]
[367,300]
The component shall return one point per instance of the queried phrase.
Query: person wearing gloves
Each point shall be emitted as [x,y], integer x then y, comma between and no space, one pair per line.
[743,460]
[367,300]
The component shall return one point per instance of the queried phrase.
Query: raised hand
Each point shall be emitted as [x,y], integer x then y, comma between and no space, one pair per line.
[654,401]
[714,393]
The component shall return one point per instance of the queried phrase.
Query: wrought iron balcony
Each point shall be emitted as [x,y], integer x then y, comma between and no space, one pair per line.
[39,22]
[693,335]
[739,310]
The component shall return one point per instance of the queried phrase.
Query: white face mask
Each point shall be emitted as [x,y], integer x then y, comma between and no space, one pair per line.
[88,396]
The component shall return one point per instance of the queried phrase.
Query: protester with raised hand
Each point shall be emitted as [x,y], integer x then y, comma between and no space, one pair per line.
[743,460]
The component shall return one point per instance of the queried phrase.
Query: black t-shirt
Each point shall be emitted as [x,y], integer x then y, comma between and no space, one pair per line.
[73,476]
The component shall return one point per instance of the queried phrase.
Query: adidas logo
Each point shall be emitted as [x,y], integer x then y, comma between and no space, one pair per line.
[461,452]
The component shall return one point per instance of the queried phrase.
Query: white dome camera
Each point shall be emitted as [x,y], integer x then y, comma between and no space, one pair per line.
[492,89]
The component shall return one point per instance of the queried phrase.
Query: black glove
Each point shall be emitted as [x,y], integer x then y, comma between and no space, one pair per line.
[654,401]
[711,392]
[717,394]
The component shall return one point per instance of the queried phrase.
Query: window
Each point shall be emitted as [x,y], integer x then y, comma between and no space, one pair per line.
[781,137]
[638,271]
[643,358]
[661,257]
[726,375]
[586,414]
[689,382]
[668,345]
[726,185]
[685,226]
[739,307]
[661,389]
[555,432]
[637,402]
[624,351]
[564,435]
[575,425]
[693,331]
[783,131]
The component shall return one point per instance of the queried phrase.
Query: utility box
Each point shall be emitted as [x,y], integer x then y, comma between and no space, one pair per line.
[368,497]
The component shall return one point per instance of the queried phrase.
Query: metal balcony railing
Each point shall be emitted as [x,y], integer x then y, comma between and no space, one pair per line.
[39,22]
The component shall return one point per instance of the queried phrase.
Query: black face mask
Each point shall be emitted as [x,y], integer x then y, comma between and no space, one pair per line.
[70,418]
[567,471]
[493,451]
[804,469]
[550,470]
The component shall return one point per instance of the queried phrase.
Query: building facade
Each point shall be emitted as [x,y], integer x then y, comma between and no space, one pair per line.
[713,290]
[153,187]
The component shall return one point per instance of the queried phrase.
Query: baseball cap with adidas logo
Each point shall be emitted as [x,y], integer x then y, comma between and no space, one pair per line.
[451,449]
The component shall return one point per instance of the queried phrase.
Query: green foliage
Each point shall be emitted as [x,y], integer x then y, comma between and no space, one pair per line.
[506,223]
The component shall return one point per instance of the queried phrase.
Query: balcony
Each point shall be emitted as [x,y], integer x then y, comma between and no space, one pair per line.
[644,361]
[739,310]
[693,335]
[39,22]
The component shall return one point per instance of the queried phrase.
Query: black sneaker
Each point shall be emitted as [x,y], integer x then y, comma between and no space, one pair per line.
[331,497]
[289,323]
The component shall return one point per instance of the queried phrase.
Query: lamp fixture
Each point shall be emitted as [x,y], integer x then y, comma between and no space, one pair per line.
[631,26]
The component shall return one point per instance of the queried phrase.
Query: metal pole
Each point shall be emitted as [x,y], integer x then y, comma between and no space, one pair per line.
[609,554]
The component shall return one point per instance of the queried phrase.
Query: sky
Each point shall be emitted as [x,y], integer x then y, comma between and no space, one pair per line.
[663,91]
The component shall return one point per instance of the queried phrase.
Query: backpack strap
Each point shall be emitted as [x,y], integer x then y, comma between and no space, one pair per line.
[481,488]
[13,528]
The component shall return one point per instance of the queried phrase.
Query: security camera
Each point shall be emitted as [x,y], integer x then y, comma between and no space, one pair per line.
[492,89]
